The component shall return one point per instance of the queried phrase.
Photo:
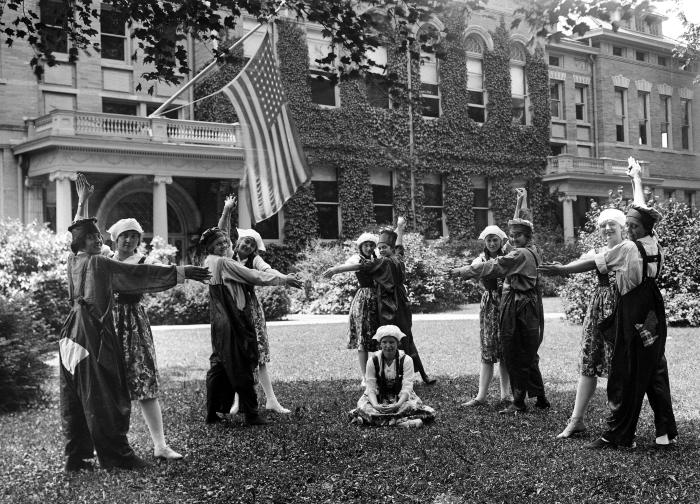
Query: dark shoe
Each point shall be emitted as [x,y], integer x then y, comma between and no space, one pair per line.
[512,409]
[542,402]
[428,380]
[255,420]
[131,463]
[599,444]
[75,465]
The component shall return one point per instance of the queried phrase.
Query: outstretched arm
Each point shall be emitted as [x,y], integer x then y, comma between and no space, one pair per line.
[634,171]
[343,268]
[578,266]
[84,190]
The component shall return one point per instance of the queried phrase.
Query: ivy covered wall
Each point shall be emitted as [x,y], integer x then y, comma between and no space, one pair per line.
[356,139]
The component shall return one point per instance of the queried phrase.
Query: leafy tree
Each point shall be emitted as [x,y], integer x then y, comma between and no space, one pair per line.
[160,27]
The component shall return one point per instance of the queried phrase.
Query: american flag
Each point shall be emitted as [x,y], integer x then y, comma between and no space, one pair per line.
[275,164]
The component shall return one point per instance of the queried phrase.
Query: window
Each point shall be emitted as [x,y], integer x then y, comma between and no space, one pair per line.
[432,206]
[686,126]
[53,14]
[554,61]
[620,114]
[581,98]
[58,101]
[665,121]
[119,107]
[641,56]
[557,149]
[476,98]
[113,37]
[383,198]
[480,205]
[643,114]
[556,98]
[251,44]
[172,112]
[375,79]
[661,60]
[321,76]
[269,229]
[618,51]
[326,193]
[517,84]
[584,151]
[429,89]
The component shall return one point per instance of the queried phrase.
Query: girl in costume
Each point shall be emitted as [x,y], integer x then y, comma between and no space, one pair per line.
[235,352]
[596,342]
[246,252]
[520,311]
[95,402]
[389,398]
[134,330]
[389,274]
[638,364]
[363,321]
[495,241]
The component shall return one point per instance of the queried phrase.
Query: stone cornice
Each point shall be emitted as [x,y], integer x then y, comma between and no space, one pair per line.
[643,85]
[665,89]
[620,81]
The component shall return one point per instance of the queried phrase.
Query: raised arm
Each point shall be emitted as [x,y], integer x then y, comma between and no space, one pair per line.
[634,171]
[400,227]
[225,220]
[84,190]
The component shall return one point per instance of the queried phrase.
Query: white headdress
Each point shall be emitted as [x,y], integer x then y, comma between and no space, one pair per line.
[242,233]
[122,226]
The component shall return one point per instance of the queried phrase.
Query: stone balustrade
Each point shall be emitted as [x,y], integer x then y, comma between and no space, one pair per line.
[566,163]
[158,129]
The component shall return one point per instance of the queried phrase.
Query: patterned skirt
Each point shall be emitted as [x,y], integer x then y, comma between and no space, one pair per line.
[363,321]
[258,316]
[596,351]
[491,349]
[139,352]
[412,409]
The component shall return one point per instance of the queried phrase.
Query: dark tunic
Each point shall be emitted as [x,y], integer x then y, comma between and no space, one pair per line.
[639,367]
[389,275]
[95,403]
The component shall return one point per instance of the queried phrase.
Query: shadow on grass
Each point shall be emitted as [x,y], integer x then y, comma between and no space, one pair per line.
[314,455]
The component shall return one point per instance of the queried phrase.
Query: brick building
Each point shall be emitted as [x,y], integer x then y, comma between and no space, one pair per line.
[612,95]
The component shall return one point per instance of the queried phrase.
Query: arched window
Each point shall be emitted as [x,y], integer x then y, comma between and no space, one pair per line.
[476,96]
[321,76]
[427,36]
[518,83]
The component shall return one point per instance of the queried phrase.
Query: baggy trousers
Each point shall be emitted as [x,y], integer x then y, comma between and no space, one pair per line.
[636,370]
[95,403]
[521,337]
[234,356]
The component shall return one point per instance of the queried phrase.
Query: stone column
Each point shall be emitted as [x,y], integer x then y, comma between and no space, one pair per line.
[568,211]
[243,208]
[160,205]
[64,198]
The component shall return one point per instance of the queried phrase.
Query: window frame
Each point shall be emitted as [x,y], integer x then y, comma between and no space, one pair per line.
[644,118]
[316,73]
[519,64]
[477,57]
[443,227]
[480,184]
[105,8]
[666,120]
[621,121]
[390,205]
[430,58]
[581,91]
[335,204]
[686,124]
[559,100]
[52,28]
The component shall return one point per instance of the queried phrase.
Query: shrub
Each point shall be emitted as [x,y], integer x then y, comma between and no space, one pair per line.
[275,302]
[22,345]
[186,303]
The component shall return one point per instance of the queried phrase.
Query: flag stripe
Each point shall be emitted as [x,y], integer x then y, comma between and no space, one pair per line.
[275,164]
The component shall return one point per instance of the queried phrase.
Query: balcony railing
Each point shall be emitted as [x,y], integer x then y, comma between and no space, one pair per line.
[159,129]
[568,164]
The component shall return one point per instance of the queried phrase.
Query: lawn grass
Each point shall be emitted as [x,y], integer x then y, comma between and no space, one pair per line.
[313,455]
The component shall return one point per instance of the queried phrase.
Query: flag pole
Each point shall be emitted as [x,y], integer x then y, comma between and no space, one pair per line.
[211,65]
